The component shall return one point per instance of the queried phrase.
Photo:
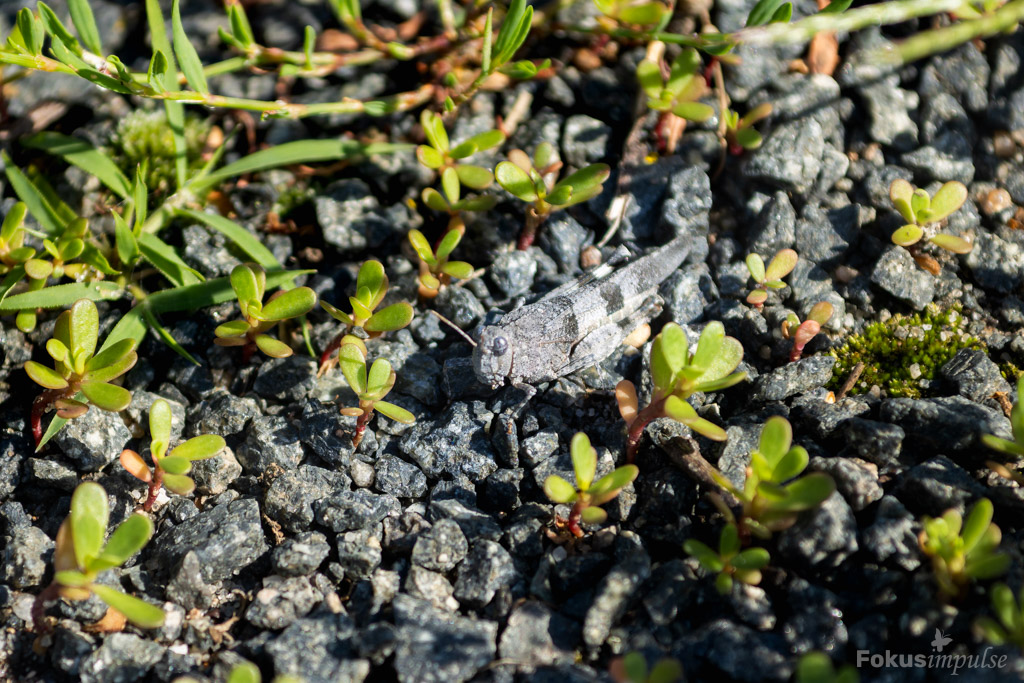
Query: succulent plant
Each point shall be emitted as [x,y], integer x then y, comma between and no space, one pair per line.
[80,376]
[803,332]
[677,374]
[80,555]
[740,134]
[632,668]
[963,550]
[634,12]
[446,159]
[169,469]
[435,268]
[369,386]
[679,93]
[730,562]
[533,181]
[1013,448]
[1008,626]
[923,213]
[782,264]
[773,493]
[371,288]
[587,495]
[249,281]
[817,667]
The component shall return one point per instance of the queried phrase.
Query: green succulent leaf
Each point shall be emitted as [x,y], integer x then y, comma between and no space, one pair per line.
[390,318]
[128,538]
[751,558]
[179,484]
[433,199]
[707,557]
[45,377]
[352,362]
[245,672]
[976,524]
[84,327]
[274,348]
[234,328]
[584,460]
[200,447]
[957,245]
[429,157]
[748,138]
[160,422]
[372,277]
[709,345]
[987,567]
[88,521]
[782,264]
[336,313]
[907,235]
[379,379]
[476,177]
[558,490]
[593,515]
[614,480]
[668,356]
[515,181]
[106,396]
[174,464]
[433,128]
[458,269]
[420,244]
[487,140]
[776,437]
[755,265]
[290,304]
[807,492]
[72,578]
[901,193]
[139,612]
[246,285]
[448,243]
[717,371]
[697,112]
[112,366]
[396,413]
[947,199]
[792,464]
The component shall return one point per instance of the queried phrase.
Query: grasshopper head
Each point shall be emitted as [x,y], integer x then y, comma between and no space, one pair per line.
[492,357]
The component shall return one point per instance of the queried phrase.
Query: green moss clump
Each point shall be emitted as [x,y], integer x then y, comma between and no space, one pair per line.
[144,137]
[1010,371]
[904,353]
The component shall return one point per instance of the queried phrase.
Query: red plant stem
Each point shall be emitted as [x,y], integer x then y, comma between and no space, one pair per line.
[796,352]
[247,352]
[361,423]
[573,523]
[49,594]
[529,233]
[39,406]
[636,428]
[331,348]
[709,70]
[154,488]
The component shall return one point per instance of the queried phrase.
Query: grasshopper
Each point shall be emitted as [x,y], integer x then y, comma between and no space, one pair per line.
[576,325]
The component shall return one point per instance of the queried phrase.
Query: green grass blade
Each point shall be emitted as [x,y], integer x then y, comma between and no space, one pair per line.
[83,155]
[56,424]
[186,53]
[164,335]
[12,278]
[245,240]
[27,192]
[85,23]
[164,258]
[60,296]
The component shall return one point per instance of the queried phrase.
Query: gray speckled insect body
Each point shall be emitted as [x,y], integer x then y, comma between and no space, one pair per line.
[576,325]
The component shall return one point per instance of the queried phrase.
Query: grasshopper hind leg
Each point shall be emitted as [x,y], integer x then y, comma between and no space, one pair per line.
[600,343]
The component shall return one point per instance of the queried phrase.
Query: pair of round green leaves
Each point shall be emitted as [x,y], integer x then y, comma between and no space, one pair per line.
[591,493]
[176,464]
[372,385]
[77,366]
[438,262]
[524,179]
[680,92]
[782,264]
[731,560]
[81,554]
[371,288]
[439,155]
[918,209]
[969,544]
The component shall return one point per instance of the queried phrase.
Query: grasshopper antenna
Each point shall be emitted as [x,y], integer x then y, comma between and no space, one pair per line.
[455,327]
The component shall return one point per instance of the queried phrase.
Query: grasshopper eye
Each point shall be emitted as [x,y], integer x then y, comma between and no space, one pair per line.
[499,346]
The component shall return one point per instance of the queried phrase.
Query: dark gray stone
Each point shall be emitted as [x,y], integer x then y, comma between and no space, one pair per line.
[122,658]
[399,478]
[889,107]
[324,430]
[501,491]
[186,586]
[301,555]
[359,553]
[536,636]
[359,509]
[458,380]
[286,379]
[512,272]
[688,294]
[206,250]
[282,601]
[420,377]
[456,443]
[948,424]
[441,547]
[618,588]
[877,442]
[564,238]
[816,622]
[774,228]
[856,481]
[793,378]
[585,140]
[729,648]
[686,207]
[460,305]
[897,273]
[995,263]
[27,553]
[353,220]
[937,485]
[49,473]
[822,538]
[947,158]
[432,587]
[289,500]
[94,440]
[436,647]
[891,540]
[486,569]
[319,649]
[270,441]
[825,236]
[214,475]
[823,419]
[222,413]
[790,157]
[226,539]
[974,375]
[12,451]
[539,447]
[735,454]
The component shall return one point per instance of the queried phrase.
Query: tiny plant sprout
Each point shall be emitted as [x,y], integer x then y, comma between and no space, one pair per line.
[768,502]
[632,668]
[435,268]
[533,181]
[80,376]
[369,386]
[676,96]
[247,672]
[803,332]
[782,264]
[922,214]
[441,156]
[633,12]
[816,667]
[13,252]
[677,374]
[249,281]
[729,563]
[1008,626]
[963,550]
[371,288]
[80,555]
[587,495]
[169,469]
[739,131]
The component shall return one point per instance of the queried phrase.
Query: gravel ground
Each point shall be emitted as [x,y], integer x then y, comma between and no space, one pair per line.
[423,555]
